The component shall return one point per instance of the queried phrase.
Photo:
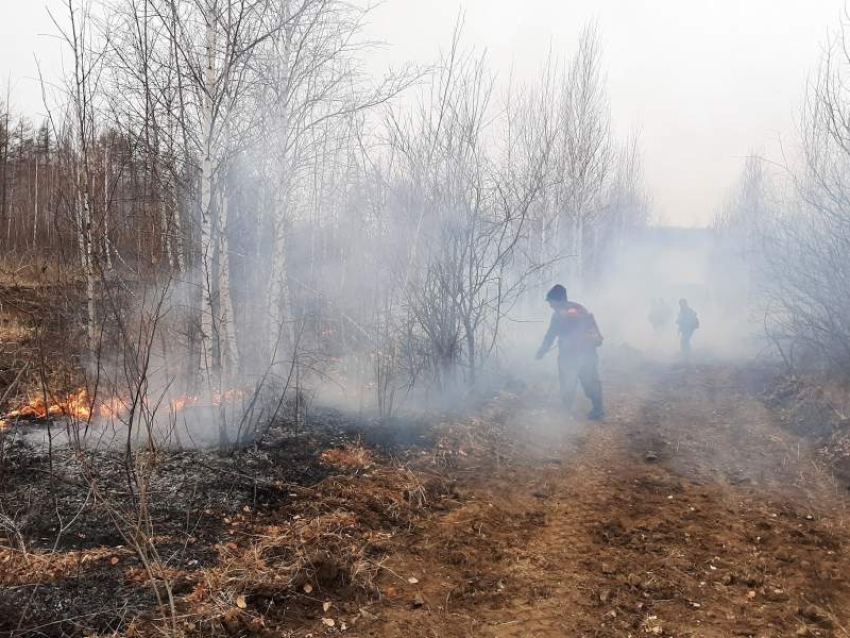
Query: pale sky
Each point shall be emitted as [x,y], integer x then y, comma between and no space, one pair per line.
[703,82]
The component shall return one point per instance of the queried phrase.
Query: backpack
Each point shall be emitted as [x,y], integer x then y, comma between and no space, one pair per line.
[588,332]
[689,320]
[594,336]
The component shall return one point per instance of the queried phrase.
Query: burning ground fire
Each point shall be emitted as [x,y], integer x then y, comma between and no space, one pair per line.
[79,405]
[76,405]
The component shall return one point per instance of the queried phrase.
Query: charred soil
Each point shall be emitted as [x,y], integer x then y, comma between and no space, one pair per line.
[691,511]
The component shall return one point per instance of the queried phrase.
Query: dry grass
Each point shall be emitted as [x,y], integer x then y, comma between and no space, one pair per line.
[33,269]
[350,457]
[308,555]
[16,330]
[26,568]
[325,547]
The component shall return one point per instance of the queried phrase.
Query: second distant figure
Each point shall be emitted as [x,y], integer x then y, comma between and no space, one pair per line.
[578,338]
[688,322]
[660,315]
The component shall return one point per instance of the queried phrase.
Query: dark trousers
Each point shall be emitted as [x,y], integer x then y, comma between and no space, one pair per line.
[685,341]
[580,367]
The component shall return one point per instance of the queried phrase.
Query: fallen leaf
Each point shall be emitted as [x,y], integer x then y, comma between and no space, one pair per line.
[326,606]
[367,614]
[241,602]
[652,625]
[328,622]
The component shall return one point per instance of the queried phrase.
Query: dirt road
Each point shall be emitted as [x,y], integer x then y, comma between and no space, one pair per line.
[690,512]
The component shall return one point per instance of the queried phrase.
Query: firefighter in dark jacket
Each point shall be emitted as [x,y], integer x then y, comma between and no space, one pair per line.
[578,338]
[688,323]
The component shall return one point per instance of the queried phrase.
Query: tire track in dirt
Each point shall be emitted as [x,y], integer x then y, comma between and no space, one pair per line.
[733,531]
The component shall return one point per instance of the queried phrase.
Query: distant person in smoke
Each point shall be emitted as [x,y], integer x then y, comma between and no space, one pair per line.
[578,338]
[688,322]
[660,315]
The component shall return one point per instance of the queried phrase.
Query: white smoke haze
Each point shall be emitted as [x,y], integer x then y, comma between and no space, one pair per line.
[273,306]
[262,223]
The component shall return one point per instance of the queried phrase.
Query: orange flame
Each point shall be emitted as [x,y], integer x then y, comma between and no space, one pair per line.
[75,405]
[180,403]
[184,400]
[78,405]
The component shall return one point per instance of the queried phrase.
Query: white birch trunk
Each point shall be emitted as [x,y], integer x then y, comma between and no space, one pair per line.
[565,247]
[87,261]
[35,207]
[105,245]
[165,222]
[176,227]
[226,321]
[578,250]
[281,334]
[208,333]
[280,329]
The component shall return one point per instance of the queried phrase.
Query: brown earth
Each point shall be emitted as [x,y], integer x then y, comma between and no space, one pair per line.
[691,511]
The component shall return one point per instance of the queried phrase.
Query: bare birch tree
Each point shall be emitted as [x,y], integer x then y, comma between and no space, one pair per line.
[805,267]
[315,84]
[584,153]
[462,213]
[78,132]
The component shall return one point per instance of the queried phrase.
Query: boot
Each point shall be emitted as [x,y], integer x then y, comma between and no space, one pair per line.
[597,413]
